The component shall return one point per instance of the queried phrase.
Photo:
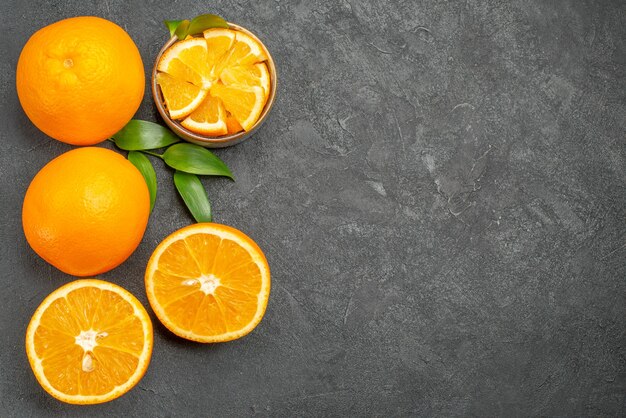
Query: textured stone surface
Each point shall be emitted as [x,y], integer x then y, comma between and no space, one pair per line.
[440,191]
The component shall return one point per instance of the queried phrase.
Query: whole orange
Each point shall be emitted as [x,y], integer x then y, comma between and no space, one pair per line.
[85,212]
[80,80]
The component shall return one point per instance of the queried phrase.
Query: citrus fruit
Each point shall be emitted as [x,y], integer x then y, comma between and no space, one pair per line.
[181,97]
[244,103]
[208,283]
[247,75]
[85,211]
[208,119]
[80,80]
[232,125]
[230,64]
[218,41]
[245,51]
[187,60]
[89,342]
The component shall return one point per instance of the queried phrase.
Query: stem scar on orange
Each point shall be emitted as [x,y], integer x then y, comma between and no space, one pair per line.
[89,342]
[208,283]
[86,211]
[80,80]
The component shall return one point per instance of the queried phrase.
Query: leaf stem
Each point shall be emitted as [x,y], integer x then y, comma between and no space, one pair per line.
[154,154]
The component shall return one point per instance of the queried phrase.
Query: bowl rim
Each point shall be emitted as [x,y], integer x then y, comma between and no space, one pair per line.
[224,140]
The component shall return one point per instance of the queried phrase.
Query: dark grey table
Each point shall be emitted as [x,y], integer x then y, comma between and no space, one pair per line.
[440,191]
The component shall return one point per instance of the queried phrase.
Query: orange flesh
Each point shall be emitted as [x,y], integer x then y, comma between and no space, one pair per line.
[117,332]
[184,284]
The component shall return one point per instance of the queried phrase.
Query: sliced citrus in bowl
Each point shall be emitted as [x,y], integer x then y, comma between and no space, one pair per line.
[231,64]
[89,342]
[244,103]
[209,118]
[208,283]
[181,97]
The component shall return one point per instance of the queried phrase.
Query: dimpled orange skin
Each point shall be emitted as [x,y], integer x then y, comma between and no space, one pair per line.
[86,211]
[80,80]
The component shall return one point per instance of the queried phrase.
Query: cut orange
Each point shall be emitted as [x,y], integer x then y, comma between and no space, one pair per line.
[187,60]
[246,50]
[89,342]
[232,125]
[181,97]
[208,283]
[230,65]
[247,75]
[218,42]
[244,103]
[208,119]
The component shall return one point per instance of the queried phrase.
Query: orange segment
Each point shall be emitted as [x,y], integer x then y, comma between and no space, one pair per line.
[244,103]
[209,118]
[192,54]
[232,125]
[247,76]
[208,283]
[181,97]
[246,50]
[218,41]
[181,71]
[89,342]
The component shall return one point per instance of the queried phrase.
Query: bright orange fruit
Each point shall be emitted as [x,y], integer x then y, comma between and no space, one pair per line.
[89,342]
[80,80]
[85,212]
[208,283]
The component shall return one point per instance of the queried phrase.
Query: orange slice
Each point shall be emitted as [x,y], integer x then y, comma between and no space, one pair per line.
[208,119]
[232,125]
[208,283]
[244,103]
[187,60]
[247,75]
[89,342]
[181,98]
[218,41]
[246,50]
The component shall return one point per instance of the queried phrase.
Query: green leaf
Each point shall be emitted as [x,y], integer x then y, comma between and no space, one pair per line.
[146,169]
[191,190]
[203,22]
[195,160]
[184,28]
[140,135]
[172,25]
[181,29]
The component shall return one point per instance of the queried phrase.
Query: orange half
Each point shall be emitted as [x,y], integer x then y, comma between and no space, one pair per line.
[89,342]
[208,283]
